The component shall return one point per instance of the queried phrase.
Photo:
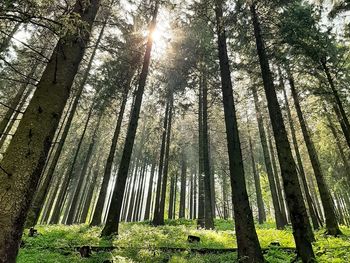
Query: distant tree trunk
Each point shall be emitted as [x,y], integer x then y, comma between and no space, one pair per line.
[82,176]
[175,196]
[302,230]
[259,199]
[326,199]
[150,190]
[279,218]
[338,142]
[183,185]
[209,221]
[212,181]
[281,197]
[201,191]
[12,106]
[339,109]
[161,163]
[139,192]
[41,193]
[13,118]
[96,219]
[312,210]
[113,215]
[191,196]
[171,198]
[247,240]
[29,147]
[159,218]
[195,187]
[88,199]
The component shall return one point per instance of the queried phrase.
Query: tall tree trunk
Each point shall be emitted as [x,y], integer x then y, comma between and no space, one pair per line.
[72,210]
[150,190]
[326,199]
[201,191]
[259,199]
[96,219]
[171,198]
[161,164]
[300,222]
[183,185]
[280,221]
[310,204]
[29,147]
[247,240]
[41,193]
[343,119]
[159,218]
[209,221]
[88,199]
[113,215]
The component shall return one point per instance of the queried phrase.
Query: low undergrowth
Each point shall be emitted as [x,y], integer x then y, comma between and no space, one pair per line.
[140,242]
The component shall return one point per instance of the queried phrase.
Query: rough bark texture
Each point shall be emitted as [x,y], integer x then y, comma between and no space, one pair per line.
[41,193]
[114,210]
[326,199]
[26,155]
[247,240]
[300,222]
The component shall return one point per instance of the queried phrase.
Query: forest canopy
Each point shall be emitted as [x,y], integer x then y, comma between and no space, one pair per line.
[222,125]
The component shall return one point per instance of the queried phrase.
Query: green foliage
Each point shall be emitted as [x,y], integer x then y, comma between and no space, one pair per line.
[140,242]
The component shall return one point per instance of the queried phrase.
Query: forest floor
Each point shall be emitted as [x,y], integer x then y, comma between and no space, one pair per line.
[140,242]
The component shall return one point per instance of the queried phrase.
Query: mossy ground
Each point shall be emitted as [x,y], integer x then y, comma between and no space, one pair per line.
[138,242]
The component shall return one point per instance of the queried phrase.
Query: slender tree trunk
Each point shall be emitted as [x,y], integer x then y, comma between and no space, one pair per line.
[161,164]
[280,221]
[191,196]
[301,226]
[159,218]
[343,119]
[29,147]
[209,221]
[201,191]
[150,190]
[259,199]
[72,210]
[247,240]
[195,200]
[310,204]
[113,216]
[88,199]
[171,198]
[326,199]
[96,219]
[183,185]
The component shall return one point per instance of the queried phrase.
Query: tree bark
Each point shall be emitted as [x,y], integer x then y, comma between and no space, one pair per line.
[259,199]
[150,190]
[159,218]
[247,240]
[41,193]
[183,185]
[300,222]
[22,165]
[280,221]
[310,204]
[113,215]
[209,221]
[326,199]
[96,219]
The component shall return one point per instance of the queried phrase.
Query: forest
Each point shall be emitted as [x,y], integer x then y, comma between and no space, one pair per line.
[174,131]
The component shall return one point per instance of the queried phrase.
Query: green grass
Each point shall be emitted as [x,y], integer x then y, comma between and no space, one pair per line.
[140,242]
